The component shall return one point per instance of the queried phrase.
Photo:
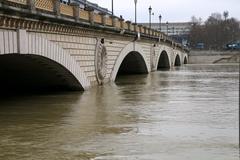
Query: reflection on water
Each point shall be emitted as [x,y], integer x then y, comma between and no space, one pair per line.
[189,112]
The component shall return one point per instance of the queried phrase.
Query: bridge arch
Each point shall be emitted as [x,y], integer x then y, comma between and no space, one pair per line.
[53,64]
[131,53]
[21,72]
[163,60]
[177,61]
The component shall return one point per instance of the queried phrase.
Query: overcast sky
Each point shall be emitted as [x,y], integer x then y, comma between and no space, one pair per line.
[171,10]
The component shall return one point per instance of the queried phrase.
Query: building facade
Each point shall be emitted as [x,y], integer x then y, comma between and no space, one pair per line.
[177,30]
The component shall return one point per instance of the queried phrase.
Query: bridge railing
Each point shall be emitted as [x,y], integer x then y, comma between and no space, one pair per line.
[24,2]
[73,11]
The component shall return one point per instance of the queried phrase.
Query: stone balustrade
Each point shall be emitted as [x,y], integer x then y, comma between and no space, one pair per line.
[74,12]
[68,10]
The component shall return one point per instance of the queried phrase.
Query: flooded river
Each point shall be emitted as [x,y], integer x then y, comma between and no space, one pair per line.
[189,112]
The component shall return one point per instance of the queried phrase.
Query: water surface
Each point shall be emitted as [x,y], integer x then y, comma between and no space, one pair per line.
[189,112]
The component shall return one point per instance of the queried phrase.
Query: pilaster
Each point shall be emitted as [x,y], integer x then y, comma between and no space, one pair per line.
[103,16]
[56,7]
[114,21]
[91,14]
[76,11]
[129,24]
[31,5]
[121,22]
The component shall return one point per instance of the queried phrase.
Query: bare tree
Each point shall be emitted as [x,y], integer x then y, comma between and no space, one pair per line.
[225,15]
[217,16]
[196,20]
[215,32]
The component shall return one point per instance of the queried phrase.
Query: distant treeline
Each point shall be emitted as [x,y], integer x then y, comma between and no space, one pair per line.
[217,31]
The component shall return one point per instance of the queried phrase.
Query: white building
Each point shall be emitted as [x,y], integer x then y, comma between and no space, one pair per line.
[175,28]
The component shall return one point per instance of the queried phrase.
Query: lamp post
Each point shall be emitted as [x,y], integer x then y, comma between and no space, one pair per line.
[167,27]
[160,18]
[112,7]
[150,14]
[135,1]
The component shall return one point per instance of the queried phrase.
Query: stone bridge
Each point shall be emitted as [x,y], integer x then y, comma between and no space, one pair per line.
[47,44]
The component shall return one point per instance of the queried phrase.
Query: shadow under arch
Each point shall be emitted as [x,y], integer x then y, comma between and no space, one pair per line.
[35,73]
[177,61]
[131,60]
[133,63]
[163,61]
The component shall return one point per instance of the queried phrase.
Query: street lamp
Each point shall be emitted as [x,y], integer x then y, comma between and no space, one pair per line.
[135,1]
[112,7]
[160,17]
[150,14]
[167,27]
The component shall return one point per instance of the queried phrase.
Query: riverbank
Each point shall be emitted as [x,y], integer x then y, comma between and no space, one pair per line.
[211,57]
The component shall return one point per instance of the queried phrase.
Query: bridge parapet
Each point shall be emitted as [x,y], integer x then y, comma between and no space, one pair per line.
[53,9]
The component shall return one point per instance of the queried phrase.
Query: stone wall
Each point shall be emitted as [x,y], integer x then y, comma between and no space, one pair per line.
[210,57]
